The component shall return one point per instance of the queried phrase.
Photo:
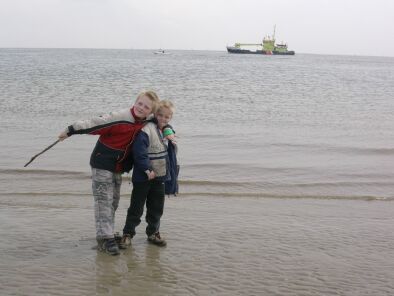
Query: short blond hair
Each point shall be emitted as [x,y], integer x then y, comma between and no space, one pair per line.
[152,96]
[166,104]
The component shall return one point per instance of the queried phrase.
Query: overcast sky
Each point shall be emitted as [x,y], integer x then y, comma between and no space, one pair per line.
[358,27]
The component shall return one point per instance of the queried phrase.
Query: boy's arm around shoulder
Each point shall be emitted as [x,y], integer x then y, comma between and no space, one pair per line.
[97,125]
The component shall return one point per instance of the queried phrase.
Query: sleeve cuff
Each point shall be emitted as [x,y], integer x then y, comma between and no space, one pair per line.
[70,130]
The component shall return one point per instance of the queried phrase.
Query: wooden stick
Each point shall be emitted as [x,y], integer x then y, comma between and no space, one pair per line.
[46,149]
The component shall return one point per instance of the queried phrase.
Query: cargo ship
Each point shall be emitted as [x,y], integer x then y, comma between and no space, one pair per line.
[267,47]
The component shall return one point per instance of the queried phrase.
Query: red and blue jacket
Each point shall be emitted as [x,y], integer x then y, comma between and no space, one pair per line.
[117,131]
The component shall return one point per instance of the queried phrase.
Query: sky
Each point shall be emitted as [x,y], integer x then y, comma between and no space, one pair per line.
[349,27]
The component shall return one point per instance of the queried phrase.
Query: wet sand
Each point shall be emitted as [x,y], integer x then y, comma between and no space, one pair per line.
[216,246]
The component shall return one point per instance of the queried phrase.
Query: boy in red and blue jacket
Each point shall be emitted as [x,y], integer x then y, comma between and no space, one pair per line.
[108,161]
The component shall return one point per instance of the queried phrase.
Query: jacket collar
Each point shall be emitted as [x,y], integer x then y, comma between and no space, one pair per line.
[137,119]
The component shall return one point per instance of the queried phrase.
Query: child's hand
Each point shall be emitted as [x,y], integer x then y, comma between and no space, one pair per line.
[151,175]
[171,138]
[63,135]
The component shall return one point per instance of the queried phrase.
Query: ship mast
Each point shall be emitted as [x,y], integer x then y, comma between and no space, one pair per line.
[273,36]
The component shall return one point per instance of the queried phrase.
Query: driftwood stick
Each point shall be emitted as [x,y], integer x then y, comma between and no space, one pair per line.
[46,149]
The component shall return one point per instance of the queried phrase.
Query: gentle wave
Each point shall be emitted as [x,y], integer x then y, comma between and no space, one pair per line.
[228,165]
[212,183]
[360,179]
[45,172]
[87,175]
[339,149]
[38,194]
[36,182]
[282,196]
[213,194]
[77,175]
[311,184]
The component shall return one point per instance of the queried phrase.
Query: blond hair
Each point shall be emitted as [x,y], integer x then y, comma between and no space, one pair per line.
[152,96]
[166,104]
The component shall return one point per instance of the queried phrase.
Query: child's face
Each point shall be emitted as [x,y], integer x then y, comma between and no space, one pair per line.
[163,116]
[143,107]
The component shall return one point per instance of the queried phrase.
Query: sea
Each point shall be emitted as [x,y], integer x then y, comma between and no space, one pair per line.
[286,182]
[303,126]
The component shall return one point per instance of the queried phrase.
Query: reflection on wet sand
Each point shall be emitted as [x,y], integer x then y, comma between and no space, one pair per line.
[216,246]
[138,270]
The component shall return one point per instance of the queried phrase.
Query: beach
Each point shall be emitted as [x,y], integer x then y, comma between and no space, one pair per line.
[216,246]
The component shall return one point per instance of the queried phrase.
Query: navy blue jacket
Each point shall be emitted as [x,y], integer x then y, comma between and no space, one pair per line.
[142,163]
[171,185]
[141,159]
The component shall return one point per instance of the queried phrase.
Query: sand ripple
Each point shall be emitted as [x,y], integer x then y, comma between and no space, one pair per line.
[220,246]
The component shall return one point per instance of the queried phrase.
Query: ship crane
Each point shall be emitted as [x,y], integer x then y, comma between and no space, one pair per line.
[247,44]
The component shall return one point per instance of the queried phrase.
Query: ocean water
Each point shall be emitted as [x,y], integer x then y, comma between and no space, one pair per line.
[313,126]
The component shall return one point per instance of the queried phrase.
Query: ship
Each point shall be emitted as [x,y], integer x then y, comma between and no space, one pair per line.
[267,47]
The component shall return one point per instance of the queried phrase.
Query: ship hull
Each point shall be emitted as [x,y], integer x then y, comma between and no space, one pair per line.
[231,49]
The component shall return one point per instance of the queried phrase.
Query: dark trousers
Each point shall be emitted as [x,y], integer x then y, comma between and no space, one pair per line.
[151,192]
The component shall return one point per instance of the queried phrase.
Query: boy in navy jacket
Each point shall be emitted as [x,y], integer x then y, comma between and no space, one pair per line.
[151,171]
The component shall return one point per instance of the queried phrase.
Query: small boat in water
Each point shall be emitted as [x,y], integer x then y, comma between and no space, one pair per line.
[267,47]
[161,51]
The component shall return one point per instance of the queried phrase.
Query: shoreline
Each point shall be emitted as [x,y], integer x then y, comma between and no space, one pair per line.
[48,182]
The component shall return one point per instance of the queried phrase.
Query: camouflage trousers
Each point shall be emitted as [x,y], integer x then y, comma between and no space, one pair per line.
[106,192]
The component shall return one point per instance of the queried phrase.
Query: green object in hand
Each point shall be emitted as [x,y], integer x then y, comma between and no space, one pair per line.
[167,132]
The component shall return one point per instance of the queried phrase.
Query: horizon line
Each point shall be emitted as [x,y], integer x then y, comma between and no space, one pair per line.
[173,49]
